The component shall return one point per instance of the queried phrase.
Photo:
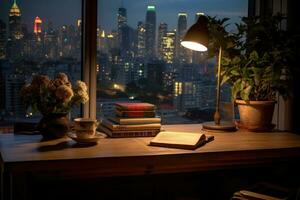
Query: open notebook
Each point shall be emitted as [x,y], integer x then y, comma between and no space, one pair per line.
[181,140]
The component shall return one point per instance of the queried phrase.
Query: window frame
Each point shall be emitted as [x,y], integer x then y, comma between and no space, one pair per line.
[89,54]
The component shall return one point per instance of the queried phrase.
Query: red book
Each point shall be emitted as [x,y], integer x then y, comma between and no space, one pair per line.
[135,106]
[132,114]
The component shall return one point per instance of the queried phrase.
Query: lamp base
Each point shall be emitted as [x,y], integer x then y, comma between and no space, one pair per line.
[222,127]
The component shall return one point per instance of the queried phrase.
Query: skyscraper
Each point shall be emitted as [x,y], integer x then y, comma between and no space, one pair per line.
[14,44]
[141,39]
[150,31]
[162,31]
[168,47]
[2,40]
[197,15]
[181,29]
[37,25]
[15,29]
[50,41]
[122,22]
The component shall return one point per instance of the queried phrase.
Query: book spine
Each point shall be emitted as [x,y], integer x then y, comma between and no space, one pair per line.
[150,133]
[134,114]
[134,127]
[135,121]
[123,134]
[137,107]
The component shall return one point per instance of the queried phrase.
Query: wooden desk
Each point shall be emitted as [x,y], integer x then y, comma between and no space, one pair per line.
[23,154]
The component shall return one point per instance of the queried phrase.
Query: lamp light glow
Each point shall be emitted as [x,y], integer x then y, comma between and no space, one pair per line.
[194,46]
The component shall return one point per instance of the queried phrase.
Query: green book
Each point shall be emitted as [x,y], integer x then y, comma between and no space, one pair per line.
[133,127]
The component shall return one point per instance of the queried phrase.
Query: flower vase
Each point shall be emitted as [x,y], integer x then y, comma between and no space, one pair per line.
[54,125]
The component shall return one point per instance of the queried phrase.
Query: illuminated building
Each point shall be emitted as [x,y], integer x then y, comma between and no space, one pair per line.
[141,39]
[139,68]
[168,47]
[13,103]
[14,43]
[37,25]
[162,31]
[15,30]
[177,88]
[150,31]
[194,94]
[101,40]
[122,21]
[181,52]
[2,40]
[112,40]
[197,16]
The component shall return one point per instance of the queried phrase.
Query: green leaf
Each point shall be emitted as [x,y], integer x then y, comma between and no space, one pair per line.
[246,92]
[225,78]
[254,56]
[225,61]
[235,72]
[236,88]
[236,60]
[257,79]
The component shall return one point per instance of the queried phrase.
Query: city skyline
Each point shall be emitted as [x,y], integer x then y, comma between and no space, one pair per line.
[144,63]
[107,11]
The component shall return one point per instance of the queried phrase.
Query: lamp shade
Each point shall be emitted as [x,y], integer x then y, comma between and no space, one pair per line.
[196,38]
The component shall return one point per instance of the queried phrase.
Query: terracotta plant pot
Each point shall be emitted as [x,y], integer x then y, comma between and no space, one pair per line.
[54,125]
[256,115]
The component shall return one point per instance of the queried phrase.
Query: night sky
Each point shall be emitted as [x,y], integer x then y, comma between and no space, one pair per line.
[67,12]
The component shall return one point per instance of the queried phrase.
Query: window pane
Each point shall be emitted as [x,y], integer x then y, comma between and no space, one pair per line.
[140,58]
[36,37]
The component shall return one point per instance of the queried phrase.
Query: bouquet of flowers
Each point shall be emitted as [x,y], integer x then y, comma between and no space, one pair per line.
[53,96]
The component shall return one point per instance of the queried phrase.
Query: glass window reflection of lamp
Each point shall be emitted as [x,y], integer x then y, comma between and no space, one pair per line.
[196,39]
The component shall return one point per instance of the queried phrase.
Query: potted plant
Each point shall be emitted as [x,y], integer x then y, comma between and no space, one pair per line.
[258,70]
[54,100]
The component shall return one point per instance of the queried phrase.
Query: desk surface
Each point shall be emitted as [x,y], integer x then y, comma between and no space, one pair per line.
[133,156]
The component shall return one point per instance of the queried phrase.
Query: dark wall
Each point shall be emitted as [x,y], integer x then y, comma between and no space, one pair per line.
[293,26]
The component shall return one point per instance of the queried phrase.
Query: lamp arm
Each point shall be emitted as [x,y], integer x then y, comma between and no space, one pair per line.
[217,115]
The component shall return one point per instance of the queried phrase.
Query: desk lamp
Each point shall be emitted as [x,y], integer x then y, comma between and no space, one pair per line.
[196,39]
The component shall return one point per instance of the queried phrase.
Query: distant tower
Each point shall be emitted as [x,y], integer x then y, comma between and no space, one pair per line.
[150,31]
[37,25]
[168,47]
[122,22]
[15,29]
[197,15]
[162,31]
[181,29]
[141,39]
[14,44]
[2,40]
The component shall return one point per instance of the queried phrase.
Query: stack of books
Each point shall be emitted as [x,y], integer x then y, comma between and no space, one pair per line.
[132,120]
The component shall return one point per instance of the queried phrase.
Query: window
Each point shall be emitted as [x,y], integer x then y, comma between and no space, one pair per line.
[139,57]
[36,37]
